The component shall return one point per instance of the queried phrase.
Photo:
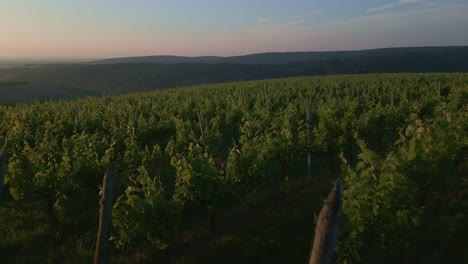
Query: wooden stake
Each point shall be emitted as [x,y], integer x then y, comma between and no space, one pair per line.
[391,100]
[309,137]
[201,128]
[134,122]
[438,88]
[326,231]
[102,248]
[3,167]
[77,115]
[390,133]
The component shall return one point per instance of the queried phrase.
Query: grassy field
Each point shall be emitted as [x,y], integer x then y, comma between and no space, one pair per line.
[23,92]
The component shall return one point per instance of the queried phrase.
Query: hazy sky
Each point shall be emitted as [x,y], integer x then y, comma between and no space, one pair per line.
[110,28]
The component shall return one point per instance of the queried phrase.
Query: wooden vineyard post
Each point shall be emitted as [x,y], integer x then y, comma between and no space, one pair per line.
[77,116]
[102,247]
[201,129]
[438,89]
[134,122]
[390,133]
[309,138]
[391,100]
[3,167]
[326,230]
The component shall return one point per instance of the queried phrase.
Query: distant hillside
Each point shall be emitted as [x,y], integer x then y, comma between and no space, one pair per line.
[277,58]
[123,78]
[167,59]
[85,79]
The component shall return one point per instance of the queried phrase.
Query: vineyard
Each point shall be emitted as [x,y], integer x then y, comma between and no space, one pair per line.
[194,166]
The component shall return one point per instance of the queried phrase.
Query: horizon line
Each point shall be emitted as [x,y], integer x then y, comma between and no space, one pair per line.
[58,59]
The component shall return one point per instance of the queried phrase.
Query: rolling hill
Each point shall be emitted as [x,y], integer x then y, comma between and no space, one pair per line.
[277,58]
[167,59]
[72,80]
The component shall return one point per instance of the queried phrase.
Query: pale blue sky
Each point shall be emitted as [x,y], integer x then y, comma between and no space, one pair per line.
[109,28]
